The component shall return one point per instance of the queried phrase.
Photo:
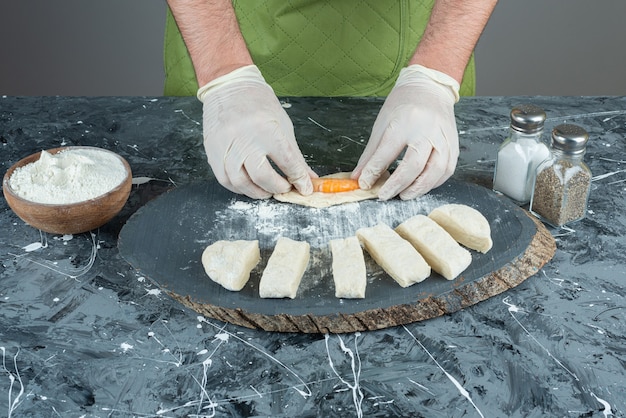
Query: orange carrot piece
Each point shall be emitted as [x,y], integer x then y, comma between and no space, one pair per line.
[330,185]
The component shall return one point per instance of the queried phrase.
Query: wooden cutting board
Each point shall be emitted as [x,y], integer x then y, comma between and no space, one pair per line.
[164,240]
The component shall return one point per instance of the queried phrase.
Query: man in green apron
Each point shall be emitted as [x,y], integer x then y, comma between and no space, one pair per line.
[238,55]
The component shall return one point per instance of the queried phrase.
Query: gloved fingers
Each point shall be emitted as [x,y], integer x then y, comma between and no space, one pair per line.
[292,164]
[427,180]
[409,169]
[240,182]
[242,185]
[388,149]
[264,176]
[312,174]
[302,182]
[450,166]
[445,156]
[422,185]
[438,168]
[237,178]
[372,146]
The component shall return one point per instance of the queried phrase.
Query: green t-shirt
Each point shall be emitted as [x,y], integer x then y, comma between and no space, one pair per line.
[318,47]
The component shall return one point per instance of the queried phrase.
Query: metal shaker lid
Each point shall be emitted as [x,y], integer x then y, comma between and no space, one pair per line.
[527,118]
[569,138]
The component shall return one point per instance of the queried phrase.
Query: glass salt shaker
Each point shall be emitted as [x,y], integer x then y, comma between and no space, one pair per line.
[563,181]
[520,154]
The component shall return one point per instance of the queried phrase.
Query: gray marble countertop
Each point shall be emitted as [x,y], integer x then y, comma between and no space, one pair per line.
[83,334]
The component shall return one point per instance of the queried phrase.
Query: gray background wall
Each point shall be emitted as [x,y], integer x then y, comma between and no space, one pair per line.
[114,47]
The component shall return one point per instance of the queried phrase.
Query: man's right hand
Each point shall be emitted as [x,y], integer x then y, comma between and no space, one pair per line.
[245,127]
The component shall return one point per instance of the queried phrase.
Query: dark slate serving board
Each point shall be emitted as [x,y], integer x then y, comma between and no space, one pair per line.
[164,240]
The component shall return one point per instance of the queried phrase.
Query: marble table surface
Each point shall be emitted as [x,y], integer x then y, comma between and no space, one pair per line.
[83,334]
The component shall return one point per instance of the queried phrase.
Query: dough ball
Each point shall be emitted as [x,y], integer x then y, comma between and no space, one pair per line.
[466,225]
[229,263]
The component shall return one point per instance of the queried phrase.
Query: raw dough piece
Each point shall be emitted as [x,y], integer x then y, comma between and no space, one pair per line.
[466,225]
[229,262]
[394,254]
[284,269]
[349,272]
[323,200]
[439,249]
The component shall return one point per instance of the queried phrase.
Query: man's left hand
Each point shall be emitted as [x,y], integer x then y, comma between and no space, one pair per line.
[418,118]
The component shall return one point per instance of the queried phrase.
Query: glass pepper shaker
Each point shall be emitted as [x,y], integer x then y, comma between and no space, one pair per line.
[563,181]
[520,154]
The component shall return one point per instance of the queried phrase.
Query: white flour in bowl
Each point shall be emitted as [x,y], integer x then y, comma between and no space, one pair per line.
[69,176]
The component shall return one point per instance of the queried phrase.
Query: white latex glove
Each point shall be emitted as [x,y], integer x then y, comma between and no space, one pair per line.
[417,116]
[244,124]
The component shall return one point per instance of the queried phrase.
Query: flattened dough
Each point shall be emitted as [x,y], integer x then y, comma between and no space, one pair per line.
[229,263]
[466,225]
[285,267]
[439,249]
[323,200]
[394,254]
[349,272]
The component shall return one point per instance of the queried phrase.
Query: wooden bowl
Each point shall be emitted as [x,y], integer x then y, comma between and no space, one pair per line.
[72,218]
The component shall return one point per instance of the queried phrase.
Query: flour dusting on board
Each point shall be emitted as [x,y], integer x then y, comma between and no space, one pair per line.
[241,206]
[267,220]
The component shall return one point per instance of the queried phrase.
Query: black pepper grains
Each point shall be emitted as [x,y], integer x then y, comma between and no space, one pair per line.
[563,181]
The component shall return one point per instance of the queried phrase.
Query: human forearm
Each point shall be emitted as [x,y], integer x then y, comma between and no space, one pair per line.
[451,35]
[418,114]
[212,36]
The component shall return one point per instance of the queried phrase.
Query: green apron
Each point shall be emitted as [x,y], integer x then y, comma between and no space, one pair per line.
[318,47]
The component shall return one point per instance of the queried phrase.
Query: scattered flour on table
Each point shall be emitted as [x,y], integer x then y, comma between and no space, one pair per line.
[70,176]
